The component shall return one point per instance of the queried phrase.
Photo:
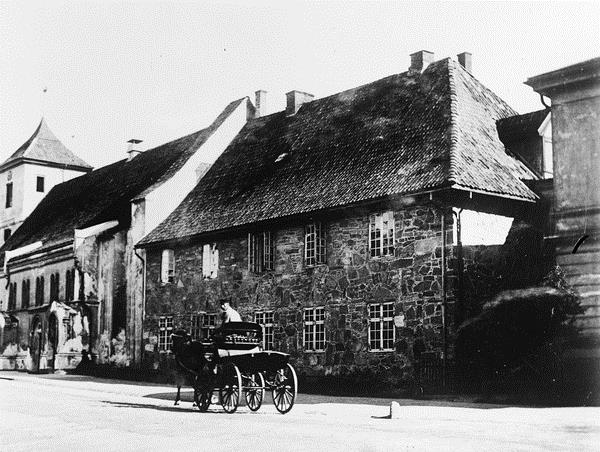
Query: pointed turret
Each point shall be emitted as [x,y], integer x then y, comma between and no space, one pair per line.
[44,147]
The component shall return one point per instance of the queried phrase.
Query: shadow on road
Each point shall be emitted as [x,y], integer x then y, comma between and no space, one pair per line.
[155,407]
[315,399]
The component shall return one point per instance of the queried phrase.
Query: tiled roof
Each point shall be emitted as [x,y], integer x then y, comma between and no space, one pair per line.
[402,134]
[105,194]
[519,127]
[43,146]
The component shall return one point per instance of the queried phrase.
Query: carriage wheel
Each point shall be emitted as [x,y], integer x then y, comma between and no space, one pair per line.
[231,385]
[202,398]
[285,388]
[255,390]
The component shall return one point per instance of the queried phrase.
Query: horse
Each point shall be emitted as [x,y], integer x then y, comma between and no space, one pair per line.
[191,360]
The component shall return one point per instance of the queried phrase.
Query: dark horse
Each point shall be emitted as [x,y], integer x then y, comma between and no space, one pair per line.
[195,363]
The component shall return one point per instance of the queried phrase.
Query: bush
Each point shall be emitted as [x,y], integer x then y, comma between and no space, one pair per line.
[519,332]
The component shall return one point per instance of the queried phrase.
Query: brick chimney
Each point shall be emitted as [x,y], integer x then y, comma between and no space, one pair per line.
[260,103]
[465,60]
[134,149]
[295,99]
[420,60]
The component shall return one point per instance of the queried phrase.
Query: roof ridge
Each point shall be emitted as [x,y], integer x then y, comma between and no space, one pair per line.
[452,176]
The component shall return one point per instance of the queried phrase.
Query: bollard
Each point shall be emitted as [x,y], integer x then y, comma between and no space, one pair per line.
[394,410]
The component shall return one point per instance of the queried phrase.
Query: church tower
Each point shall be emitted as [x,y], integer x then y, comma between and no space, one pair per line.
[30,172]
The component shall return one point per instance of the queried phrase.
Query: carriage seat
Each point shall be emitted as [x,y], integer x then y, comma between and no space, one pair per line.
[238,338]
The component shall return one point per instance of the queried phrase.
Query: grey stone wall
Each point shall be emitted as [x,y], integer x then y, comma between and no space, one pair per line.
[351,279]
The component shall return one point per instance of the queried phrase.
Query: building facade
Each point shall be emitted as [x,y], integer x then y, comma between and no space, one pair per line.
[575,221]
[333,224]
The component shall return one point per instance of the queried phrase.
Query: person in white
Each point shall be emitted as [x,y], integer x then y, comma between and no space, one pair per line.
[229,314]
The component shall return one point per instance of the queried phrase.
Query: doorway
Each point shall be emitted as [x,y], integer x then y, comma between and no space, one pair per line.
[37,343]
[52,341]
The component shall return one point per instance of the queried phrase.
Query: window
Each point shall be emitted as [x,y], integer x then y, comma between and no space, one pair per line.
[9,194]
[70,285]
[12,296]
[381,234]
[167,267]
[39,184]
[203,326]
[210,261]
[261,251]
[54,287]
[314,244]
[265,319]
[7,234]
[165,328]
[25,291]
[39,291]
[381,326]
[314,329]
[68,327]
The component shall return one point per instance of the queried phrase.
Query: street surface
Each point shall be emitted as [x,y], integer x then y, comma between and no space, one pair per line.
[55,412]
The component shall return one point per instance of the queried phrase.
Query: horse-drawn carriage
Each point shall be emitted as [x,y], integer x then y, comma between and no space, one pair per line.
[232,364]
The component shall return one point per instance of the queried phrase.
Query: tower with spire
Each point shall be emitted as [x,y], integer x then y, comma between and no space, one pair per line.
[30,173]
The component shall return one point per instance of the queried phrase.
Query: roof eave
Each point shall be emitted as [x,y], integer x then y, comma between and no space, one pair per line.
[19,160]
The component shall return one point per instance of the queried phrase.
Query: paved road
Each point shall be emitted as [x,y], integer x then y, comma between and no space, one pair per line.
[69,413]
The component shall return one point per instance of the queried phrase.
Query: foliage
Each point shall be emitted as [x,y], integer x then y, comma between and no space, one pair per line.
[517,328]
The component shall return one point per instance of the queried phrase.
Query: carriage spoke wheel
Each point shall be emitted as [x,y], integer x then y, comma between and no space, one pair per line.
[285,388]
[231,385]
[202,398]
[255,390]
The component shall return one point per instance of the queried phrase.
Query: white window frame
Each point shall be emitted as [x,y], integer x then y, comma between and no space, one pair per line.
[265,320]
[381,318]
[167,266]
[382,234]
[261,251]
[315,245]
[314,329]
[210,261]
[165,329]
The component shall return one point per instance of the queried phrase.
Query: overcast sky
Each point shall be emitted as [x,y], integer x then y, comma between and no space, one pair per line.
[160,70]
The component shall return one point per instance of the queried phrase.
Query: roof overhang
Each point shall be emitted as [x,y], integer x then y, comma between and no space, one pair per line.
[11,254]
[65,166]
[567,78]
[452,196]
[82,234]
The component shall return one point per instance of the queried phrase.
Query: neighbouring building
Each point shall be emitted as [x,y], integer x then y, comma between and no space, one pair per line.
[75,282]
[575,220]
[334,224]
[30,172]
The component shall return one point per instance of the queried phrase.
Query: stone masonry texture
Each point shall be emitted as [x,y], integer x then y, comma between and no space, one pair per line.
[349,281]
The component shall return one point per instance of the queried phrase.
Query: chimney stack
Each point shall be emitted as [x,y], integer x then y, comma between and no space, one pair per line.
[420,60]
[465,60]
[134,149]
[295,99]
[260,103]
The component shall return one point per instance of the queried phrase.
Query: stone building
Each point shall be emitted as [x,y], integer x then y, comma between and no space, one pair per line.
[332,223]
[575,220]
[31,172]
[73,276]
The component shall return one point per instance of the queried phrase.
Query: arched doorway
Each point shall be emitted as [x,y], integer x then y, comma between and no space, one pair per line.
[52,340]
[36,344]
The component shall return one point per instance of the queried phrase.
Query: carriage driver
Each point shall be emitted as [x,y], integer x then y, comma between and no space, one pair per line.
[229,314]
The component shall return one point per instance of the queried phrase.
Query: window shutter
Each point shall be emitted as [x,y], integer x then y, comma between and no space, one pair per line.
[214,261]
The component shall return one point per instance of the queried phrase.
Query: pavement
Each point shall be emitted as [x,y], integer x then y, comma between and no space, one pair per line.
[60,412]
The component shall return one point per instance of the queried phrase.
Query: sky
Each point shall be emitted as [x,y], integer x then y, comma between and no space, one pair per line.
[102,73]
